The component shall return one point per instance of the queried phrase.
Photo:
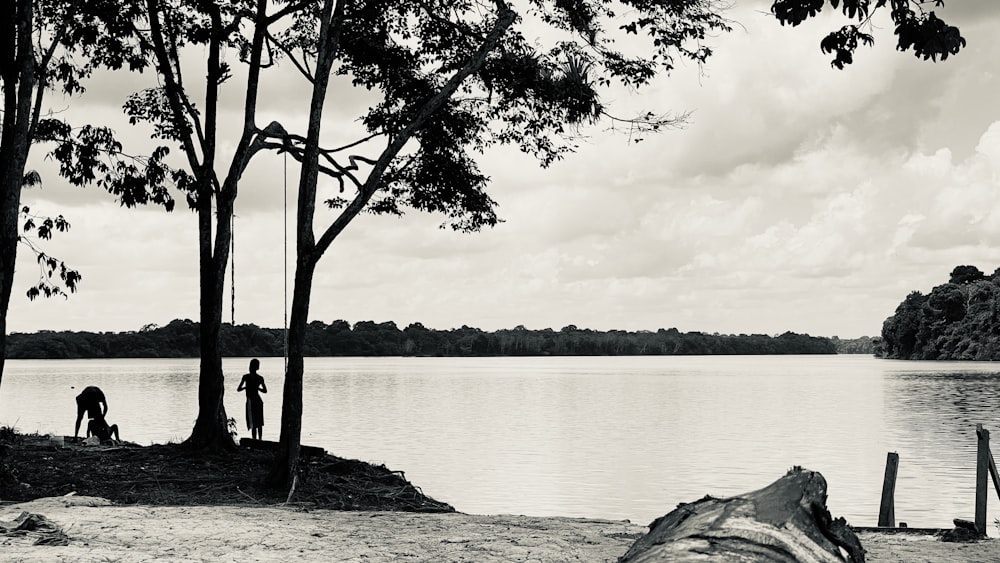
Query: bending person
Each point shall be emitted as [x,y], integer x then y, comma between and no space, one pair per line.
[89,401]
[253,383]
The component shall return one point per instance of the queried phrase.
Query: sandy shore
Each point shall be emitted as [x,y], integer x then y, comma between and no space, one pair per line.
[93,530]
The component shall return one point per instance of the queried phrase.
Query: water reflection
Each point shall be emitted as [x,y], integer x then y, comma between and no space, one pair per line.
[934,409]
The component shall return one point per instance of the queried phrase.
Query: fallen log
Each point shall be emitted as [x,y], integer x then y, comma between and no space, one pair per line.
[305,451]
[787,521]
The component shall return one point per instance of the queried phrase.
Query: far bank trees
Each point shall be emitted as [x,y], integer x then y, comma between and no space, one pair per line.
[179,339]
[958,320]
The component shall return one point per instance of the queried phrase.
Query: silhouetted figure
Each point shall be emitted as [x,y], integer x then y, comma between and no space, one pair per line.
[89,401]
[254,385]
[99,427]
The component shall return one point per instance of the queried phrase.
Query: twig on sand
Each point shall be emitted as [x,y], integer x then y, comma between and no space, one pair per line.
[248,496]
[291,490]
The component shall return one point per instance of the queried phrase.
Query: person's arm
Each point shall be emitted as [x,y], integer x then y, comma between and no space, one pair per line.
[79,417]
[103,401]
[263,388]
[243,384]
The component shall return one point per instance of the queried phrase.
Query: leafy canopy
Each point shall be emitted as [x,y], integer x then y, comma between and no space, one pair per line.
[54,46]
[72,40]
[915,27]
[530,75]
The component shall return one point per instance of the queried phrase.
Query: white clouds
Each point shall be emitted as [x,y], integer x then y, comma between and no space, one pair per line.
[132,262]
[799,198]
[989,145]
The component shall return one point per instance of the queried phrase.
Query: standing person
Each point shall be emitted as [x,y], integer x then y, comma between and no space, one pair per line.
[254,385]
[89,401]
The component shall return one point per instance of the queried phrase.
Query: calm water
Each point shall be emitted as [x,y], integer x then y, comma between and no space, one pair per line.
[595,437]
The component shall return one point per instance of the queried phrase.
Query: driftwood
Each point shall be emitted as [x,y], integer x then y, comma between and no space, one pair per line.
[787,521]
[41,528]
[305,451]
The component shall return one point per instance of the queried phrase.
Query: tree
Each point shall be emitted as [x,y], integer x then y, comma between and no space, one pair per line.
[211,28]
[48,45]
[915,27]
[966,274]
[454,78]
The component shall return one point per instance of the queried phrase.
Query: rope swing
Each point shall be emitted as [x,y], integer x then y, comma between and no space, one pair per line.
[285,263]
[232,264]
[232,270]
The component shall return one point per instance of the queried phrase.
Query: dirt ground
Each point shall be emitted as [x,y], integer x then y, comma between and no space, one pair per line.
[86,529]
[33,466]
[130,503]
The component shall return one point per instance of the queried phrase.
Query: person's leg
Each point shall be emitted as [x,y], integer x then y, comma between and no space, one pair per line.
[114,432]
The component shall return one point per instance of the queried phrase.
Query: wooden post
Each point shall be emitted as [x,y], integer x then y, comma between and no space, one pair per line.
[887,509]
[994,474]
[982,470]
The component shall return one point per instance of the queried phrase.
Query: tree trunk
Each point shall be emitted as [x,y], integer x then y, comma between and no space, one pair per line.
[787,522]
[9,208]
[19,83]
[306,256]
[211,429]
[286,465]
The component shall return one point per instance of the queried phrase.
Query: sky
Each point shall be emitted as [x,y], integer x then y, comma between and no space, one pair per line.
[797,198]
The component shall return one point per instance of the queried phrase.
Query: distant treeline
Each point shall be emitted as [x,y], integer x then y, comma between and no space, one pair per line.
[863,345]
[179,339]
[959,320]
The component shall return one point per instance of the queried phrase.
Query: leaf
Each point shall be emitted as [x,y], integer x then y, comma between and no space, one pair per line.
[795,12]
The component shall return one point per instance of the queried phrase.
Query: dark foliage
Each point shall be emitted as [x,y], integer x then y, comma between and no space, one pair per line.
[915,27]
[959,320]
[167,474]
[179,339]
[862,345]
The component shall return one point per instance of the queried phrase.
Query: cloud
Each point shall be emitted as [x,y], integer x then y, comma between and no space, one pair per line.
[798,198]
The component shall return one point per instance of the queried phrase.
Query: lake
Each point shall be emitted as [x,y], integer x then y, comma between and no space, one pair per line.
[603,437]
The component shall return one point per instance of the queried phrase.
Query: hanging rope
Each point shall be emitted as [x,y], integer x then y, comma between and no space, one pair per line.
[232,270]
[285,262]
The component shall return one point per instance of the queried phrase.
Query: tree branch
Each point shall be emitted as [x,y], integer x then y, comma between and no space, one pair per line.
[287,10]
[241,159]
[304,71]
[172,88]
[505,18]
[190,111]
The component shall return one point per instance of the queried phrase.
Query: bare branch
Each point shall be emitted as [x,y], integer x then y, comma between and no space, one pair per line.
[301,67]
[298,154]
[165,57]
[355,143]
[287,10]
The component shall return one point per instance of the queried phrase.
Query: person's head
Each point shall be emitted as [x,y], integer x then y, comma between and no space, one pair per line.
[254,364]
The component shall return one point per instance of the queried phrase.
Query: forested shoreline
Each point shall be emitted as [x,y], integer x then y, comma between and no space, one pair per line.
[179,339]
[958,320]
